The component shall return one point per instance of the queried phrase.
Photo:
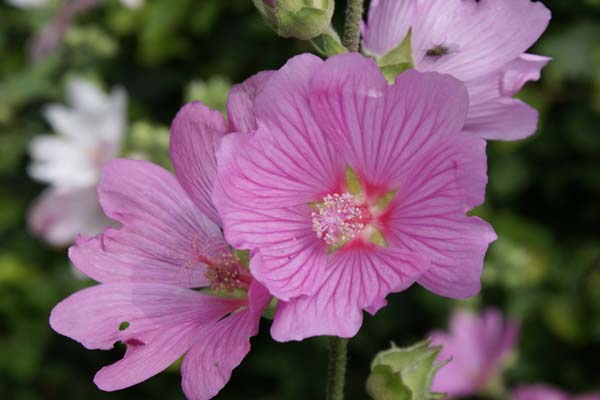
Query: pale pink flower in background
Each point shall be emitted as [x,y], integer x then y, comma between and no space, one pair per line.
[28,3]
[88,133]
[547,392]
[44,3]
[170,242]
[482,43]
[329,245]
[477,346]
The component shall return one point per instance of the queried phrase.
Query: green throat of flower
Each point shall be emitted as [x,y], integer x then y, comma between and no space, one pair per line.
[340,218]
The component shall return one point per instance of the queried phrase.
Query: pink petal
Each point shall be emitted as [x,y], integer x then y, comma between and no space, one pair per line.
[357,278]
[221,347]
[196,133]
[405,123]
[477,346]
[480,36]
[388,24]
[289,160]
[502,119]
[538,392]
[162,234]
[457,378]
[59,215]
[428,215]
[240,103]
[526,68]
[493,114]
[294,259]
[588,396]
[265,184]
[455,243]
[163,322]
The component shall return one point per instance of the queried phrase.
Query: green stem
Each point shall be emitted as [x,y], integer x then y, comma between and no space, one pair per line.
[354,12]
[336,372]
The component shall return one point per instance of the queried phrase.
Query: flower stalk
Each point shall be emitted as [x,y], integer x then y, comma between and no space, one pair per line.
[354,12]
[336,372]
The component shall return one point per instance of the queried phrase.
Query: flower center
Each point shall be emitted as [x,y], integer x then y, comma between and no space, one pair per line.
[224,269]
[338,219]
[226,273]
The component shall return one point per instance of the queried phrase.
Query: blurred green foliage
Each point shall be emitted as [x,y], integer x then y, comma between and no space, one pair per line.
[543,199]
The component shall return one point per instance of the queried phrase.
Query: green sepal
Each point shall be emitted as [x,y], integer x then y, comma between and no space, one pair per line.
[328,43]
[401,54]
[391,72]
[397,60]
[412,367]
[385,384]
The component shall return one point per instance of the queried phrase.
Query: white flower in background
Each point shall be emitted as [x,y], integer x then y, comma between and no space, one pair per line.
[42,3]
[132,3]
[27,3]
[89,134]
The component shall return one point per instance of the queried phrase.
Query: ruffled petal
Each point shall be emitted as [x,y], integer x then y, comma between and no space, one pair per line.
[502,119]
[221,347]
[240,102]
[357,278]
[456,245]
[163,232]
[493,114]
[428,215]
[477,37]
[60,215]
[526,68]
[388,24]
[196,133]
[158,323]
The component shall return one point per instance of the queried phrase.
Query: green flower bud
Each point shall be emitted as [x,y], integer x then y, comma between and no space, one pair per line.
[302,19]
[404,373]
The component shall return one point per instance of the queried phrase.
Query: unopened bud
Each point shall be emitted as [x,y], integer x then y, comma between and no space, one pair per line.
[301,19]
[404,373]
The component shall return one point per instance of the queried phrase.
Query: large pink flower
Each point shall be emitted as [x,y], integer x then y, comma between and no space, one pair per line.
[170,242]
[351,189]
[547,392]
[482,43]
[476,347]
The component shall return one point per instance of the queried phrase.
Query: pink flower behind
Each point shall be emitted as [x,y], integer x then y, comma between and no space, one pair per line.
[481,43]
[476,347]
[547,392]
[169,243]
[351,189]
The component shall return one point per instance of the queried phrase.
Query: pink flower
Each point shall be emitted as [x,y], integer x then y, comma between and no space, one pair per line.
[170,242]
[476,347]
[546,392]
[351,189]
[482,43]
